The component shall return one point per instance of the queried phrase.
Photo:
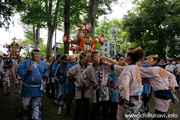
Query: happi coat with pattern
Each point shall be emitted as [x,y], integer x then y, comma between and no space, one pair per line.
[159,80]
[90,74]
[76,71]
[129,83]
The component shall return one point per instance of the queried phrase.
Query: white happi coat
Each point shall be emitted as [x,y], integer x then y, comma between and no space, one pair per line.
[14,69]
[129,83]
[90,74]
[159,80]
[76,71]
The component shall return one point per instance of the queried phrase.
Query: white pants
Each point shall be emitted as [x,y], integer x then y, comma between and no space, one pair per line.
[36,106]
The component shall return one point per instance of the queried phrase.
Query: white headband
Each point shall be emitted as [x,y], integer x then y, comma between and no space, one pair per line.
[35,52]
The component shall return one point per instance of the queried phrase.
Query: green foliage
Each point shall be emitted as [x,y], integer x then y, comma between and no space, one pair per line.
[37,13]
[79,12]
[124,46]
[61,50]
[105,7]
[28,46]
[29,18]
[7,8]
[153,25]
[42,48]
[173,48]
[77,9]
[34,12]
[28,42]
[1,52]
[106,28]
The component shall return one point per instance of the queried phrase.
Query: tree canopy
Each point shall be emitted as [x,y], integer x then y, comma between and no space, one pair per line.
[154,25]
[28,42]
[7,9]
[106,27]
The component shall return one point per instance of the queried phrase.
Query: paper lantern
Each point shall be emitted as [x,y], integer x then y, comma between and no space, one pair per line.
[4,46]
[88,27]
[65,38]
[102,40]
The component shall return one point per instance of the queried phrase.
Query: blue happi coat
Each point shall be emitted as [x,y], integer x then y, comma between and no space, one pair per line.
[55,66]
[114,97]
[28,91]
[70,86]
[146,87]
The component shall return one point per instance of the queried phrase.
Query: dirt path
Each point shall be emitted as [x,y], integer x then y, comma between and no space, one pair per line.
[11,107]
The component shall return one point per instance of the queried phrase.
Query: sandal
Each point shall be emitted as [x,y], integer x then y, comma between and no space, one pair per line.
[59,112]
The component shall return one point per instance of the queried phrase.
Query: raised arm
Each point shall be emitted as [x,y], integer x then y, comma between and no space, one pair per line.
[112,67]
[147,72]
[118,69]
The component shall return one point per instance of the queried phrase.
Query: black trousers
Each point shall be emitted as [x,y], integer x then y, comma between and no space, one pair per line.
[146,98]
[68,103]
[95,109]
[48,87]
[1,84]
[160,113]
[113,110]
[82,109]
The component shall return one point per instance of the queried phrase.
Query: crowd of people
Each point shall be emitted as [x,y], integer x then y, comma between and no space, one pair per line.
[118,84]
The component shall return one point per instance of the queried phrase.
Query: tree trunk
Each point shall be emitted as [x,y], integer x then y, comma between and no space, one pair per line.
[51,26]
[93,9]
[67,25]
[36,36]
[49,42]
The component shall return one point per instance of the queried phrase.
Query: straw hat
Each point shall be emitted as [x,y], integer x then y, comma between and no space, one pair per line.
[72,57]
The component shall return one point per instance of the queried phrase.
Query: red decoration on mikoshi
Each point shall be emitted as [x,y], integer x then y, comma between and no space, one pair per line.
[88,27]
[94,45]
[65,38]
[71,47]
[102,40]
[17,52]
[4,46]
[80,44]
